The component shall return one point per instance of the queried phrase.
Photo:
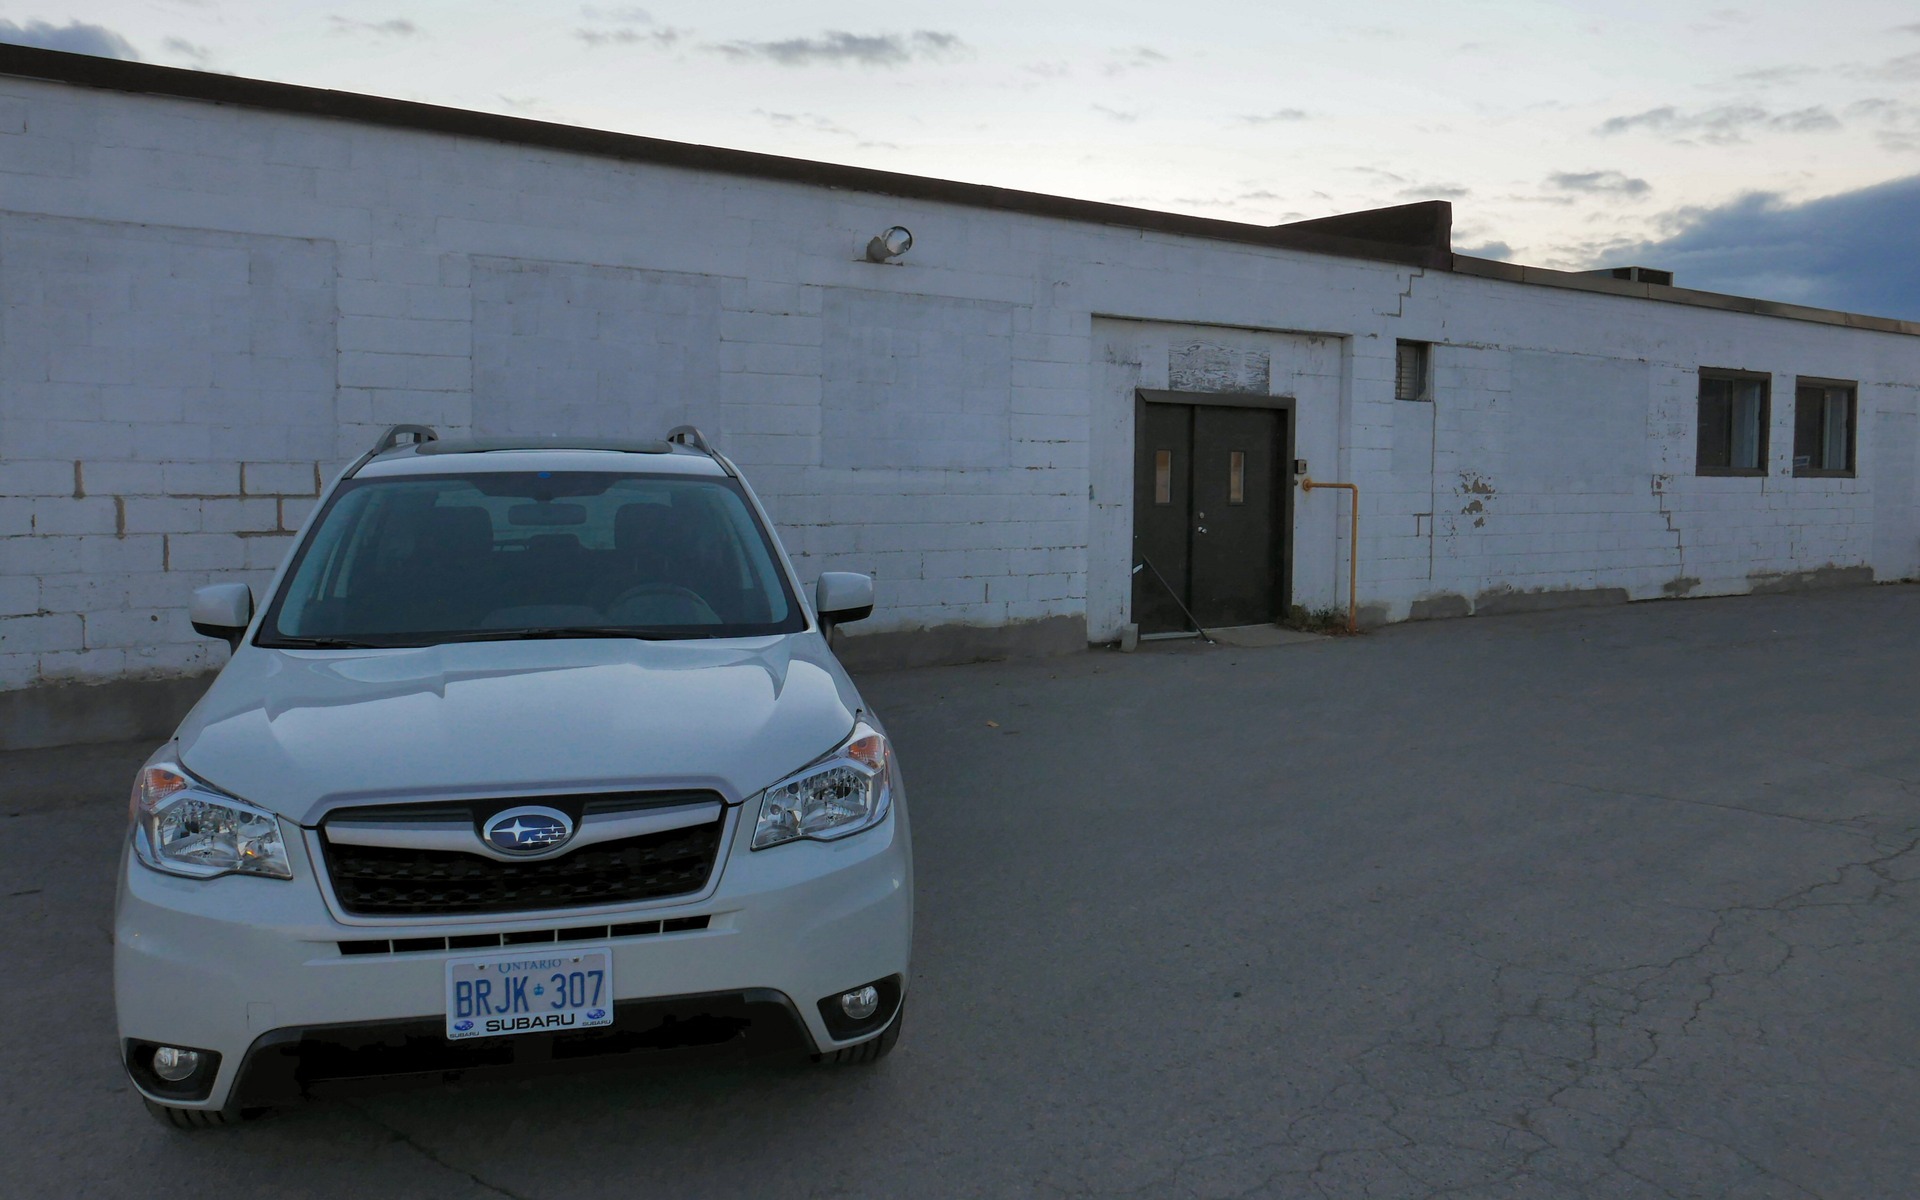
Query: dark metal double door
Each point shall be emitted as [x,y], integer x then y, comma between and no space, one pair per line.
[1208,506]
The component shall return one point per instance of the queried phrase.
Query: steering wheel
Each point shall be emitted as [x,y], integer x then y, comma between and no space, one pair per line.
[703,613]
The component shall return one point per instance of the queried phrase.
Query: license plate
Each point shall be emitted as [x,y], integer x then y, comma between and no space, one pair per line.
[539,991]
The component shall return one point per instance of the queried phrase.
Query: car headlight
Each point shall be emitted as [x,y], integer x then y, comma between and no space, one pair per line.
[183,826]
[843,793]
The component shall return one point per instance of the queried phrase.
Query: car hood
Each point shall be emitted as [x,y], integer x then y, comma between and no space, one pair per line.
[300,732]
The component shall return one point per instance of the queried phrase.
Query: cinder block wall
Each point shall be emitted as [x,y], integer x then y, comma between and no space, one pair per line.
[206,309]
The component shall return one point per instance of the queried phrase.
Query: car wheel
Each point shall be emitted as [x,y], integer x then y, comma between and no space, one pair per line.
[198,1118]
[873,1049]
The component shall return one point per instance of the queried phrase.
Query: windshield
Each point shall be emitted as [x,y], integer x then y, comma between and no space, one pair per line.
[418,560]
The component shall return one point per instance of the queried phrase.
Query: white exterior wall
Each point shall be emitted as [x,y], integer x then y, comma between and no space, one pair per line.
[205,308]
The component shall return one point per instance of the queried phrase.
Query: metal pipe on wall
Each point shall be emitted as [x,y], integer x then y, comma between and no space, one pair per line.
[1307,484]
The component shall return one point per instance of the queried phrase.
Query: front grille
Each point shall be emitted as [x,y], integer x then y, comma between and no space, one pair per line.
[391,881]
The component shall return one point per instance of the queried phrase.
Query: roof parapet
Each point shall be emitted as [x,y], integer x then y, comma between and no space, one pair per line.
[1425,225]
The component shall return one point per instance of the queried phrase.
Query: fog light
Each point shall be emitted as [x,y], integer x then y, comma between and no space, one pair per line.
[860,1003]
[173,1064]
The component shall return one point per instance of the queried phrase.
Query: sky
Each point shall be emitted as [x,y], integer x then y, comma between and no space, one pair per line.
[1765,148]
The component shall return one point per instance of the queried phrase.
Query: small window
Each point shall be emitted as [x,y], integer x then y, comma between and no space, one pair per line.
[1824,420]
[1412,373]
[1733,424]
[1163,477]
[1236,477]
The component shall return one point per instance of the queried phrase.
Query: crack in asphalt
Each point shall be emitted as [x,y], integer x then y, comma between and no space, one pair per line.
[396,1134]
[1552,1088]
[1577,1052]
[1850,823]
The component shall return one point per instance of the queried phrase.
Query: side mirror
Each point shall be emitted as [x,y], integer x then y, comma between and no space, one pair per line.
[222,610]
[843,596]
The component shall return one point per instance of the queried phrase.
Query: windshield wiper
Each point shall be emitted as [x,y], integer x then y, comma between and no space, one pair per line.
[321,643]
[542,632]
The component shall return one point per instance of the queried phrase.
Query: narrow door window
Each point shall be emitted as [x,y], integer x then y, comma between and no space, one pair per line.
[1163,477]
[1236,477]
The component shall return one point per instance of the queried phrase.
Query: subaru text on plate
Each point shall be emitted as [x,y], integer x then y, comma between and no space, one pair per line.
[533,755]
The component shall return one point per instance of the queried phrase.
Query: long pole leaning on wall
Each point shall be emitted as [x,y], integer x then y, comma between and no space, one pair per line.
[1353,550]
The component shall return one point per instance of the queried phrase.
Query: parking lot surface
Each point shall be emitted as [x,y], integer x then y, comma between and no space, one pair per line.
[1599,903]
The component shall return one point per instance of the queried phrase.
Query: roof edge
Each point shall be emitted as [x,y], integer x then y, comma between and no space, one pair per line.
[1413,235]
[1489,268]
[113,74]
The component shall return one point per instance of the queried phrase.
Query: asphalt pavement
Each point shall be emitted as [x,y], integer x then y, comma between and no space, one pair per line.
[1598,903]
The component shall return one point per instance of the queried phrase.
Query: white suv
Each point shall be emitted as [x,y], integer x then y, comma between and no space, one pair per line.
[533,756]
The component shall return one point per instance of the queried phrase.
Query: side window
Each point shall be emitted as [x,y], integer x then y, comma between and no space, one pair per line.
[1412,371]
[1825,418]
[1734,413]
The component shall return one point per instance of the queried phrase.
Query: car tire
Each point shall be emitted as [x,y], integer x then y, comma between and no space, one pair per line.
[197,1118]
[873,1049]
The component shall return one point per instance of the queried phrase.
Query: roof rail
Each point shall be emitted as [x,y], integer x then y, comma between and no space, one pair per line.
[391,438]
[690,435]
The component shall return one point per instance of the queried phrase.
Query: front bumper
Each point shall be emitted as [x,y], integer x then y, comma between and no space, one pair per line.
[247,968]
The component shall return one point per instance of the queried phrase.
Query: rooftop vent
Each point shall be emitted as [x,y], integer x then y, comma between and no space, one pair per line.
[1635,275]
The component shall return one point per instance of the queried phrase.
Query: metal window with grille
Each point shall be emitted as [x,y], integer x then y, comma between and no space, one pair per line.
[1411,371]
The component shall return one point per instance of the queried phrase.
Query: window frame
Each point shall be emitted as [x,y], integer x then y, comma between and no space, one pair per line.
[1425,352]
[1765,433]
[1852,387]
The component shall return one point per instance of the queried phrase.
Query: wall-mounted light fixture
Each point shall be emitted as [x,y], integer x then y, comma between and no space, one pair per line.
[890,244]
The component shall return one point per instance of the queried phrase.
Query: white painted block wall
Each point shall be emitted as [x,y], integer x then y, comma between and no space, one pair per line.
[205,308]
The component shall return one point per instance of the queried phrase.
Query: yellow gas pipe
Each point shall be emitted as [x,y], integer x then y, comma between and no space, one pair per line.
[1353,550]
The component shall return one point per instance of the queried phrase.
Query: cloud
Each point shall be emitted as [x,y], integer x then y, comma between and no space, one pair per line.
[191,51]
[73,37]
[1904,68]
[1726,125]
[1604,183]
[1258,196]
[812,121]
[626,26]
[1775,76]
[1277,115]
[1498,250]
[1114,114]
[937,43]
[1048,70]
[1853,251]
[662,38]
[1719,19]
[1407,188]
[1133,58]
[1899,122]
[1805,120]
[839,48]
[396,27]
